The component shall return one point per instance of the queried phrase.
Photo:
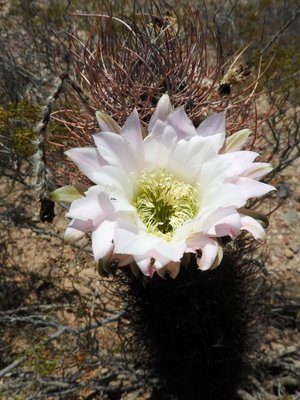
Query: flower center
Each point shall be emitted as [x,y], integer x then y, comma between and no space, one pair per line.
[164,203]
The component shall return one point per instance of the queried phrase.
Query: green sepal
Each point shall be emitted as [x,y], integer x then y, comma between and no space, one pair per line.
[66,194]
[237,140]
[106,123]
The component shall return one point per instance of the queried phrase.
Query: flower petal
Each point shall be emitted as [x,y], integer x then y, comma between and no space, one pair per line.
[102,239]
[131,131]
[163,109]
[170,250]
[239,161]
[146,265]
[95,207]
[219,194]
[116,151]
[223,222]
[130,239]
[88,160]
[159,142]
[208,247]
[172,268]
[71,235]
[257,170]
[251,225]
[179,120]
[250,188]
[187,157]
[76,230]
[114,180]
[108,264]
[212,125]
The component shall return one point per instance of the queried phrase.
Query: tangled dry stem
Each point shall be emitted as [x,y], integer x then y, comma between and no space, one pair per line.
[131,61]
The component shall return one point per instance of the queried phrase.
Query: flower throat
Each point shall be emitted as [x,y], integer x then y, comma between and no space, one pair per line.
[164,203]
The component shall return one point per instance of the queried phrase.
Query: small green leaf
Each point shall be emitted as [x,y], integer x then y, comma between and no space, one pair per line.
[66,194]
[106,123]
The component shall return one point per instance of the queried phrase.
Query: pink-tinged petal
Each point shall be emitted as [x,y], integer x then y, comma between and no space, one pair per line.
[214,142]
[187,157]
[94,207]
[146,265]
[106,123]
[223,222]
[213,172]
[239,161]
[236,141]
[250,188]
[114,180]
[130,239]
[179,120]
[123,206]
[88,161]
[257,170]
[77,229]
[150,253]
[116,151]
[208,247]
[102,239]
[71,235]
[212,125]
[163,109]
[131,131]
[170,250]
[224,195]
[172,269]
[258,216]
[158,145]
[251,225]
[213,222]
[98,171]
[209,254]
[151,262]
[84,226]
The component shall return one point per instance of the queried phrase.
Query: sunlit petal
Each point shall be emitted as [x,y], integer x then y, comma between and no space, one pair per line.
[251,225]
[212,125]
[163,109]
[179,120]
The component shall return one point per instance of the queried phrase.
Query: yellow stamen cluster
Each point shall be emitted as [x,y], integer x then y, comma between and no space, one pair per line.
[164,203]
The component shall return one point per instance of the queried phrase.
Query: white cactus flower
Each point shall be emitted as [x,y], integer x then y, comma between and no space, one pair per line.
[177,191]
